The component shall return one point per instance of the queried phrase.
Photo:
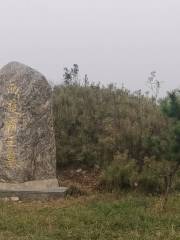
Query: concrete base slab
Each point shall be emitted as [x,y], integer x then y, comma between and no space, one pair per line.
[33,190]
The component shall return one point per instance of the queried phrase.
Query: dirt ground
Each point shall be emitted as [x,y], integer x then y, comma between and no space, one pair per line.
[84,179]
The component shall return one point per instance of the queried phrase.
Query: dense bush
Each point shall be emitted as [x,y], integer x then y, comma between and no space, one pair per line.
[97,125]
[123,174]
[94,123]
[118,175]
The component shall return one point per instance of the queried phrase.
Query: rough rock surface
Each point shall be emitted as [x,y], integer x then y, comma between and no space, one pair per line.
[27,143]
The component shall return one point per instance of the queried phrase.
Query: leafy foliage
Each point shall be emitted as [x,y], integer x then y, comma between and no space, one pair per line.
[94,123]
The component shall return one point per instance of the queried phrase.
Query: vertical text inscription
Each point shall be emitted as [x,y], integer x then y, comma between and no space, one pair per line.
[11,124]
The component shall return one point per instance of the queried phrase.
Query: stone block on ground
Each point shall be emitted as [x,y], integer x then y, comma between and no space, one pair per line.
[27,142]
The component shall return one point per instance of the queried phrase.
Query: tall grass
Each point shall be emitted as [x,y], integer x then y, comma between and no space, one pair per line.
[100,217]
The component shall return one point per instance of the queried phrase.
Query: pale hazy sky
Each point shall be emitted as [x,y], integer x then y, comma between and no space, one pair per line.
[111,40]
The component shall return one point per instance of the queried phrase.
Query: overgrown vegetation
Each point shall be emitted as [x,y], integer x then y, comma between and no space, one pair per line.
[132,137]
[104,217]
[133,142]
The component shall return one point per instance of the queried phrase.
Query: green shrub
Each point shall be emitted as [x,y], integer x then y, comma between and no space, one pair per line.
[123,174]
[150,184]
[119,175]
[93,123]
[177,182]
[152,178]
[177,186]
[74,191]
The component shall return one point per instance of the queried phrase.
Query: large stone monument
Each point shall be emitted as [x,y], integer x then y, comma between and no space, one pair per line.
[27,142]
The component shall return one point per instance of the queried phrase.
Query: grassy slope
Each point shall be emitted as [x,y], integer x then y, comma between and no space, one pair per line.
[97,217]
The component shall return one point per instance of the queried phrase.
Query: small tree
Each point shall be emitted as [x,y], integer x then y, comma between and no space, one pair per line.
[71,75]
[154,85]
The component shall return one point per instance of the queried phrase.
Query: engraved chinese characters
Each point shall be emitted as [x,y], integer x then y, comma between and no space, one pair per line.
[11,124]
[27,144]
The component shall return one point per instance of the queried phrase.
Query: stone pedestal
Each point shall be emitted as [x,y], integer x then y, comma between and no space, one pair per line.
[27,141]
[33,190]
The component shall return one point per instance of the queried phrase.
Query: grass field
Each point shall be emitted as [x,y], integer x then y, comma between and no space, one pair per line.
[130,217]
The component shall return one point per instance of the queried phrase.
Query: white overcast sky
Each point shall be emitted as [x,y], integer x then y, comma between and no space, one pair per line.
[118,41]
